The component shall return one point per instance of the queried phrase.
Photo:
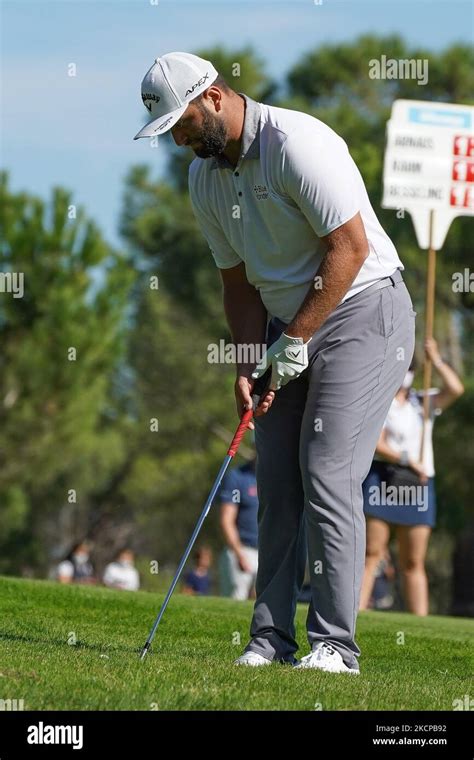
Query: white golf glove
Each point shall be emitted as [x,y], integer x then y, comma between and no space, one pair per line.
[288,358]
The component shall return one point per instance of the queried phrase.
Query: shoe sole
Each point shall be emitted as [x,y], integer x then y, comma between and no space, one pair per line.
[270,662]
[349,671]
[252,664]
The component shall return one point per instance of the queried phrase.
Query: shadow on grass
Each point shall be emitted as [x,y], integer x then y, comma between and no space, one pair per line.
[15,637]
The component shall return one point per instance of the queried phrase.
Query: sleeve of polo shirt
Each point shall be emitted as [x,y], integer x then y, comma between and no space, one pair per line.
[222,252]
[320,176]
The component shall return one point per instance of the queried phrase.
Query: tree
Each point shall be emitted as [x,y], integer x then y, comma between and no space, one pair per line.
[159,224]
[179,396]
[62,343]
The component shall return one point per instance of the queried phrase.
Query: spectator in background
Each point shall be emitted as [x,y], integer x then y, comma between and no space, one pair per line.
[398,464]
[382,592]
[239,523]
[197,581]
[77,567]
[122,573]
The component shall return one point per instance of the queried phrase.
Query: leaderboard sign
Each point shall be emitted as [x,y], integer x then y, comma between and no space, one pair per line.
[429,165]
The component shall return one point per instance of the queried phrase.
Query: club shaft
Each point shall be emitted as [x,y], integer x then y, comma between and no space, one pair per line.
[186,554]
[232,450]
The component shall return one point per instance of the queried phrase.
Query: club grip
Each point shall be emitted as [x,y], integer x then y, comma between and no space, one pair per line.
[260,389]
[240,432]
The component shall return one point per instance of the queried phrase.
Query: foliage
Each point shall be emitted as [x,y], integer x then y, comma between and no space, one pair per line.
[62,344]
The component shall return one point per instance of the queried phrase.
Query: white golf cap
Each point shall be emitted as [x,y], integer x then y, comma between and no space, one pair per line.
[169,86]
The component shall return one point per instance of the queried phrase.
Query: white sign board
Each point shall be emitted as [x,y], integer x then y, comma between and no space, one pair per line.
[429,165]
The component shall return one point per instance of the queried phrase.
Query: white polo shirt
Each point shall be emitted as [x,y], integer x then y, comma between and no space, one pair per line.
[123,576]
[294,183]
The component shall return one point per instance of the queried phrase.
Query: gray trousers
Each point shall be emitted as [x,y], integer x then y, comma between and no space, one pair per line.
[314,450]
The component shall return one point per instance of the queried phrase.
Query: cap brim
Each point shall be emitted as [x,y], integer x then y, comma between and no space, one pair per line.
[162,124]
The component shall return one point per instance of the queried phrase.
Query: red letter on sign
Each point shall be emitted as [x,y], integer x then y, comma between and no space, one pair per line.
[463,145]
[463,171]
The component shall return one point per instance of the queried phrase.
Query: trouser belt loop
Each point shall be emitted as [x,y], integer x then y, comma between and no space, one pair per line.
[392,280]
[396,277]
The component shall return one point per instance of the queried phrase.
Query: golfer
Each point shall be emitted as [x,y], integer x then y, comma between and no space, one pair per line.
[307,270]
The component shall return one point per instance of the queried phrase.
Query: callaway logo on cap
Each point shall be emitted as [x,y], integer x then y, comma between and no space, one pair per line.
[169,86]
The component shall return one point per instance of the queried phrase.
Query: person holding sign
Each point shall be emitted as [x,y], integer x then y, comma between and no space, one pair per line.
[399,489]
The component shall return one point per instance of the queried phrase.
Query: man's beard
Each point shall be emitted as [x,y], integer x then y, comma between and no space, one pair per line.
[212,137]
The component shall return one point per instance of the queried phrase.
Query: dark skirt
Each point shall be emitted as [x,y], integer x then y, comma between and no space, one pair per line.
[399,506]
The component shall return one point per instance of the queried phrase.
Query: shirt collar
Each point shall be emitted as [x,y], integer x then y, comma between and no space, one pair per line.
[250,147]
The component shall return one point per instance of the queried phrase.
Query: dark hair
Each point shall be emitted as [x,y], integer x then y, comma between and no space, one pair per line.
[200,551]
[85,542]
[221,83]
[218,82]
[123,549]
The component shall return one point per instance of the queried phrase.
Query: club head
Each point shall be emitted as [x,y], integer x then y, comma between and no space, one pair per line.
[144,651]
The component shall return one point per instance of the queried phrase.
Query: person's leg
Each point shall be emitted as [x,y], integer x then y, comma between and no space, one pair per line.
[240,580]
[377,538]
[252,558]
[281,550]
[225,572]
[413,544]
[360,358]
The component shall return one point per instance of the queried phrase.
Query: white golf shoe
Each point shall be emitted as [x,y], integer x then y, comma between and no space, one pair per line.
[325,657]
[252,659]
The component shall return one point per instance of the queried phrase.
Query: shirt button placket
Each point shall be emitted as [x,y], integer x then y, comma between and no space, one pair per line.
[241,203]
[237,188]
[237,183]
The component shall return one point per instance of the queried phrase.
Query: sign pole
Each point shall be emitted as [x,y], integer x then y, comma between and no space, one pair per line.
[429,323]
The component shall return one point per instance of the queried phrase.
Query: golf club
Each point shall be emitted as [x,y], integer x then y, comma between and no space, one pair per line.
[232,450]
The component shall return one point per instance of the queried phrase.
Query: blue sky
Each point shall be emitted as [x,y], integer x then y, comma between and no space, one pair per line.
[77,131]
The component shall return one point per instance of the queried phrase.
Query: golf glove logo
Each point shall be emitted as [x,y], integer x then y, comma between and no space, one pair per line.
[288,358]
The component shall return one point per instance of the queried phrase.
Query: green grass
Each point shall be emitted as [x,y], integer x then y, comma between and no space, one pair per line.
[191,666]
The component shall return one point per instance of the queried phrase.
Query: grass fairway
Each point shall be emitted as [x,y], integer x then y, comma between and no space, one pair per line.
[191,665]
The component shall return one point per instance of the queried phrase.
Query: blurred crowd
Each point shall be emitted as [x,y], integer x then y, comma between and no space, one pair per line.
[77,567]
